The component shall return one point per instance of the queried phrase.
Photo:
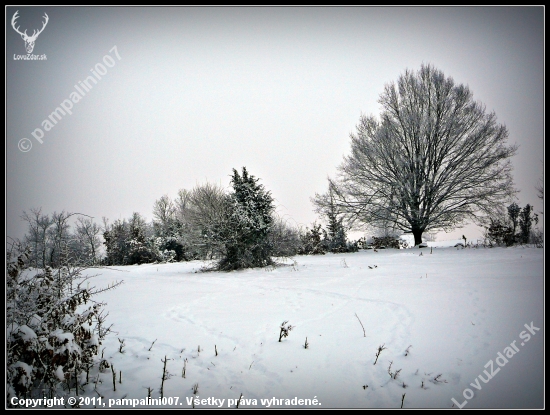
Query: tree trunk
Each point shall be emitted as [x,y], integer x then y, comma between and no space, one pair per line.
[417,236]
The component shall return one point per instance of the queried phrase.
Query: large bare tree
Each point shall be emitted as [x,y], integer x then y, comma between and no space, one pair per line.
[432,160]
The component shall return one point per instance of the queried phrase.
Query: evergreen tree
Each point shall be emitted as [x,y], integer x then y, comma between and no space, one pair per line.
[336,236]
[525,223]
[115,236]
[513,214]
[129,242]
[250,220]
[140,246]
[500,233]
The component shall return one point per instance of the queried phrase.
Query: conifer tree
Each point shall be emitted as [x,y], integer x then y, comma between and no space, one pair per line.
[250,221]
[525,223]
[513,213]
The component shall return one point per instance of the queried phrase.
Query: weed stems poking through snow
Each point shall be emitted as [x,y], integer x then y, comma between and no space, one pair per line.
[152,344]
[380,348]
[364,334]
[284,330]
[393,375]
[165,375]
[121,346]
[438,379]
[114,378]
[306,345]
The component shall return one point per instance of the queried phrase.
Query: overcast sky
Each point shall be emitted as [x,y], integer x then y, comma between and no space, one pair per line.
[184,95]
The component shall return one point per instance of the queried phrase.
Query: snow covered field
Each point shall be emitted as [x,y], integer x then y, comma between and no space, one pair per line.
[462,314]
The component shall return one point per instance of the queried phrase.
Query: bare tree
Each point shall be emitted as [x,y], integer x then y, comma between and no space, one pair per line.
[87,234]
[164,212]
[433,160]
[37,235]
[60,252]
[284,238]
[205,216]
[181,204]
[51,240]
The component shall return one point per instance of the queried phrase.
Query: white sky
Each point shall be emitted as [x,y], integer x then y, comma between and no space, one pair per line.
[458,309]
[200,91]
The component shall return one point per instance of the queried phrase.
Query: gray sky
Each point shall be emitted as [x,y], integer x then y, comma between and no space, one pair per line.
[200,91]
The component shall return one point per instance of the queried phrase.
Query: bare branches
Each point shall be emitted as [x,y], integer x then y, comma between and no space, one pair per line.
[434,159]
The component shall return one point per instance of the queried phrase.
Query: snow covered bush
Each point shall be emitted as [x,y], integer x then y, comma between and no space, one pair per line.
[169,255]
[313,242]
[388,242]
[160,250]
[53,329]
[129,242]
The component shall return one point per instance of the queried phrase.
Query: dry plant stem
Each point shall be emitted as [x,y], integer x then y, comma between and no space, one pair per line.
[284,330]
[364,334]
[114,377]
[163,377]
[380,348]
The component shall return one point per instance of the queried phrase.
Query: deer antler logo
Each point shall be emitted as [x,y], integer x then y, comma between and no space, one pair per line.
[29,40]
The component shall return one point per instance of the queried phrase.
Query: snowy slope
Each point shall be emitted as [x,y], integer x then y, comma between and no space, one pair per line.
[454,310]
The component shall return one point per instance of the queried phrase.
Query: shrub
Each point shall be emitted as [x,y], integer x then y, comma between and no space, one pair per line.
[53,333]
[388,242]
[284,239]
[312,242]
[498,233]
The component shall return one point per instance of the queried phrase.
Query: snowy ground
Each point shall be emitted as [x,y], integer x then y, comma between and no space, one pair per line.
[454,310]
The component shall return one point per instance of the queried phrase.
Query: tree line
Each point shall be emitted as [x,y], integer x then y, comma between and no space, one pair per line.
[237,229]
